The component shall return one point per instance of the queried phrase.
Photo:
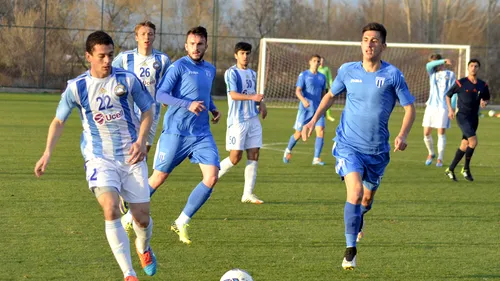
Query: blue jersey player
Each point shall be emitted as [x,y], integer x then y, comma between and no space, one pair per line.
[362,142]
[113,145]
[311,86]
[186,125]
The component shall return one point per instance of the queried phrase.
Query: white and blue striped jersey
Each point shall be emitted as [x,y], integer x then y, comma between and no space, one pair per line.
[242,81]
[440,82]
[150,69]
[106,110]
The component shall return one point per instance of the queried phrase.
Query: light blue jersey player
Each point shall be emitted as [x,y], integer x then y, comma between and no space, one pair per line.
[149,65]
[362,143]
[436,111]
[244,131]
[113,144]
[186,126]
[310,87]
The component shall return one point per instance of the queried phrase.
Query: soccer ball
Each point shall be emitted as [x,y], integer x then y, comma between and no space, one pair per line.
[491,113]
[236,275]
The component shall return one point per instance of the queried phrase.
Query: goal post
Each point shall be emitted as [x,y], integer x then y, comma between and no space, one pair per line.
[281,61]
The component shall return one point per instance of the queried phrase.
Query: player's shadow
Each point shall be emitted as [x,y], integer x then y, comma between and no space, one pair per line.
[481,276]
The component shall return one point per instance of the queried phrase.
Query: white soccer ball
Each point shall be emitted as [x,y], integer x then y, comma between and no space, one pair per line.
[236,275]
[491,113]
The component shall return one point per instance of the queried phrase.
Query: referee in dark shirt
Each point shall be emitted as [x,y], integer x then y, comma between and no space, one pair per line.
[472,93]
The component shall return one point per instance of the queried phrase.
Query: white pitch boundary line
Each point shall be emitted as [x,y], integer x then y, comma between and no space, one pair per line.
[267,147]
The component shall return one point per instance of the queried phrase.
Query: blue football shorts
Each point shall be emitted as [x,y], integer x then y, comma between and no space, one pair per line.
[371,167]
[172,149]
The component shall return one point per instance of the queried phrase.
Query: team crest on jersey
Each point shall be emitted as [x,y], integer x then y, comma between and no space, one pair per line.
[379,81]
[156,65]
[120,90]
[208,73]
[161,156]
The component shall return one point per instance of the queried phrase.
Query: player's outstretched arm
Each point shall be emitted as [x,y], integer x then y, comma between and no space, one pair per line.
[326,102]
[408,119]
[55,130]
[138,150]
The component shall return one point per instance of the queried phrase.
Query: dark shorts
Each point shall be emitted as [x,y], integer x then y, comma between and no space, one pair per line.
[468,124]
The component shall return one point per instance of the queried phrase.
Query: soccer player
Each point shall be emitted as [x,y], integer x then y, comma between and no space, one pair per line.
[436,111]
[471,94]
[325,70]
[150,66]
[113,145]
[244,131]
[186,127]
[362,142]
[311,86]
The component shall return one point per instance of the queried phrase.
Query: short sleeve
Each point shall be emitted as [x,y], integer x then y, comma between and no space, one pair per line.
[300,81]
[140,94]
[401,88]
[66,104]
[338,85]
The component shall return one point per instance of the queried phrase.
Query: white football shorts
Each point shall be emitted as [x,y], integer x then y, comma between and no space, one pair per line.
[245,135]
[131,181]
[435,117]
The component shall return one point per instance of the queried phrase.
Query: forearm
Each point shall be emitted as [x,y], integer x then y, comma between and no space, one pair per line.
[299,95]
[146,122]
[326,102]
[408,120]
[448,103]
[165,98]
[238,97]
[55,131]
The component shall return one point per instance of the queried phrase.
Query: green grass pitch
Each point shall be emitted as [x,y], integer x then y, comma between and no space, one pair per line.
[422,226]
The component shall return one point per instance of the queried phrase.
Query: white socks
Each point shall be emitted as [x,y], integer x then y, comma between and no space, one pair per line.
[441,146]
[143,236]
[225,165]
[120,245]
[182,219]
[429,144]
[250,176]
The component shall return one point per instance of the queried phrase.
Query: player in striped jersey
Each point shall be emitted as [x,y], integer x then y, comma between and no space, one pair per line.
[149,65]
[244,131]
[436,111]
[113,145]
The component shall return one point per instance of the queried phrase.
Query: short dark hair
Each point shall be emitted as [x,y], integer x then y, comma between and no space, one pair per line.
[315,56]
[199,30]
[145,23]
[435,57]
[474,60]
[242,46]
[97,38]
[375,26]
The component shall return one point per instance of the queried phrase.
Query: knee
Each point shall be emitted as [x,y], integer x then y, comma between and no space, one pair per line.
[111,211]
[367,201]
[473,143]
[235,159]
[157,179]
[210,181]
[320,132]
[142,219]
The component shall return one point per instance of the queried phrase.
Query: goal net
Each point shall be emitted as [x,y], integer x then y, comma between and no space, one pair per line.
[282,60]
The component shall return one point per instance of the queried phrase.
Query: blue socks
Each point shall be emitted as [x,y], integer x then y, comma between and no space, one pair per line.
[352,221]
[197,198]
[291,143]
[318,146]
